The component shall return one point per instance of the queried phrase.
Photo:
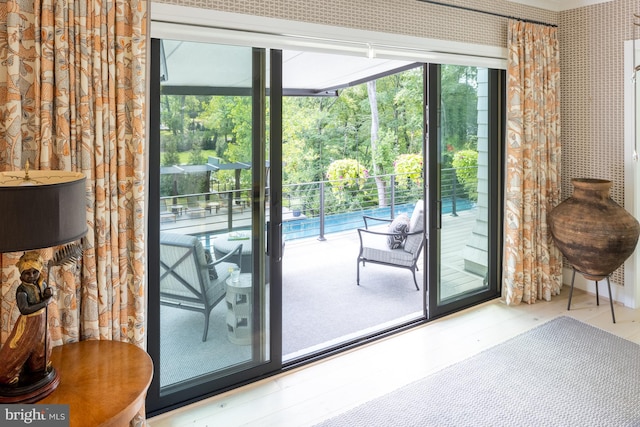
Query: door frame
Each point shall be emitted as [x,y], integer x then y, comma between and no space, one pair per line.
[496,132]
[156,402]
[274,245]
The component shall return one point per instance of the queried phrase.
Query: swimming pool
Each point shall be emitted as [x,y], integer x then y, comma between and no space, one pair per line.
[310,227]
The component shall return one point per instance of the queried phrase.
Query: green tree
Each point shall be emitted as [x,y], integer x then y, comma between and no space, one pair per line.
[316,131]
[195,155]
[320,130]
[459,110]
[377,157]
[218,117]
[170,156]
[185,130]
[302,144]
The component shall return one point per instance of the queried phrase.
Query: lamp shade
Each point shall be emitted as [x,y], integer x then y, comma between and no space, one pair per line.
[41,209]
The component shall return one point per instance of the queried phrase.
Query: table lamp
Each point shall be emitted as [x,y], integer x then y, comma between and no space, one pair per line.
[40,209]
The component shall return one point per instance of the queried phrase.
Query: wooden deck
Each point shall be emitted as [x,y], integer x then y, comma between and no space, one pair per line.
[454,278]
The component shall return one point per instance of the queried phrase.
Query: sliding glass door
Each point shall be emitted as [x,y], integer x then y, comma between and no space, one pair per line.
[464,148]
[243,166]
[209,293]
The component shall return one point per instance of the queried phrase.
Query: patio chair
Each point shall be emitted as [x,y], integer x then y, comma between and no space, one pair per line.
[165,214]
[189,277]
[235,204]
[400,246]
[194,210]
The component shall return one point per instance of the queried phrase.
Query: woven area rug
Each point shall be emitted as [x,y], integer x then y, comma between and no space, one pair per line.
[561,373]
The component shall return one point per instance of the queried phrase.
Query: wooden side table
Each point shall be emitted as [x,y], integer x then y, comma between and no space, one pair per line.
[103,382]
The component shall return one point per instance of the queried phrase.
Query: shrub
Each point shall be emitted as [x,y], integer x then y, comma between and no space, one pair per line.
[466,164]
[409,168]
[346,174]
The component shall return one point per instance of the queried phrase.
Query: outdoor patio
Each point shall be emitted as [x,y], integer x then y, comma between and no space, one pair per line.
[454,278]
[322,305]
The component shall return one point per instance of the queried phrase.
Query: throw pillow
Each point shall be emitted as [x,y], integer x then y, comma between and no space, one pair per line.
[213,274]
[398,230]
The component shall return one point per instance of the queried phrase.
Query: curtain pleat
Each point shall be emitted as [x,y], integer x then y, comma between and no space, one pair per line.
[532,264]
[72,97]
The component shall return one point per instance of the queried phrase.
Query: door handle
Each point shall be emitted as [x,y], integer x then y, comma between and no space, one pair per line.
[438,214]
[281,243]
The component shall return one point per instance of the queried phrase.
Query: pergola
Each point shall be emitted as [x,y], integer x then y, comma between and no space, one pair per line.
[213,165]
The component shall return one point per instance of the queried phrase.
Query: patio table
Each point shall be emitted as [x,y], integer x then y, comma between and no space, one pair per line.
[209,206]
[177,209]
[227,242]
[224,243]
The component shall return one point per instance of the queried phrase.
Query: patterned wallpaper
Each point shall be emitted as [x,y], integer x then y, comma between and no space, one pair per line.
[592,100]
[592,81]
[591,43]
[407,17]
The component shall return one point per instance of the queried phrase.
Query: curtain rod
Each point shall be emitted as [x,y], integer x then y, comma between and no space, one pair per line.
[487,13]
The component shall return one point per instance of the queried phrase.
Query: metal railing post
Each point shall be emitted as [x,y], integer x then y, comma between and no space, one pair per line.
[454,190]
[392,190]
[230,211]
[321,237]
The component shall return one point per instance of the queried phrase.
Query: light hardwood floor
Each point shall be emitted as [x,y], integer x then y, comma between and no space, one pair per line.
[315,392]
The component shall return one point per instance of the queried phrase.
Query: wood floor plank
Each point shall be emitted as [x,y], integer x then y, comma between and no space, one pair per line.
[318,391]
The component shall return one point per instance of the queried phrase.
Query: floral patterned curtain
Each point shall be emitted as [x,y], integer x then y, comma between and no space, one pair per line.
[72,97]
[532,265]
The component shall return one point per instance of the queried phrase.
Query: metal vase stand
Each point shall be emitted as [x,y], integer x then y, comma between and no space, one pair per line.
[573,278]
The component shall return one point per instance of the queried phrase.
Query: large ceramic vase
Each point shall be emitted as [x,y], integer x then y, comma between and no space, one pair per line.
[592,231]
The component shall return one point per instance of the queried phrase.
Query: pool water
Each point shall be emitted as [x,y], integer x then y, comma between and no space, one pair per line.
[310,227]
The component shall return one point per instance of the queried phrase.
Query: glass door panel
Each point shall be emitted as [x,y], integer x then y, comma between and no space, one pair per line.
[353,153]
[464,145]
[211,299]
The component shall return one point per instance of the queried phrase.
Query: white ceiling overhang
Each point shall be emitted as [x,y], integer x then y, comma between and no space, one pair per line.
[207,68]
[316,58]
